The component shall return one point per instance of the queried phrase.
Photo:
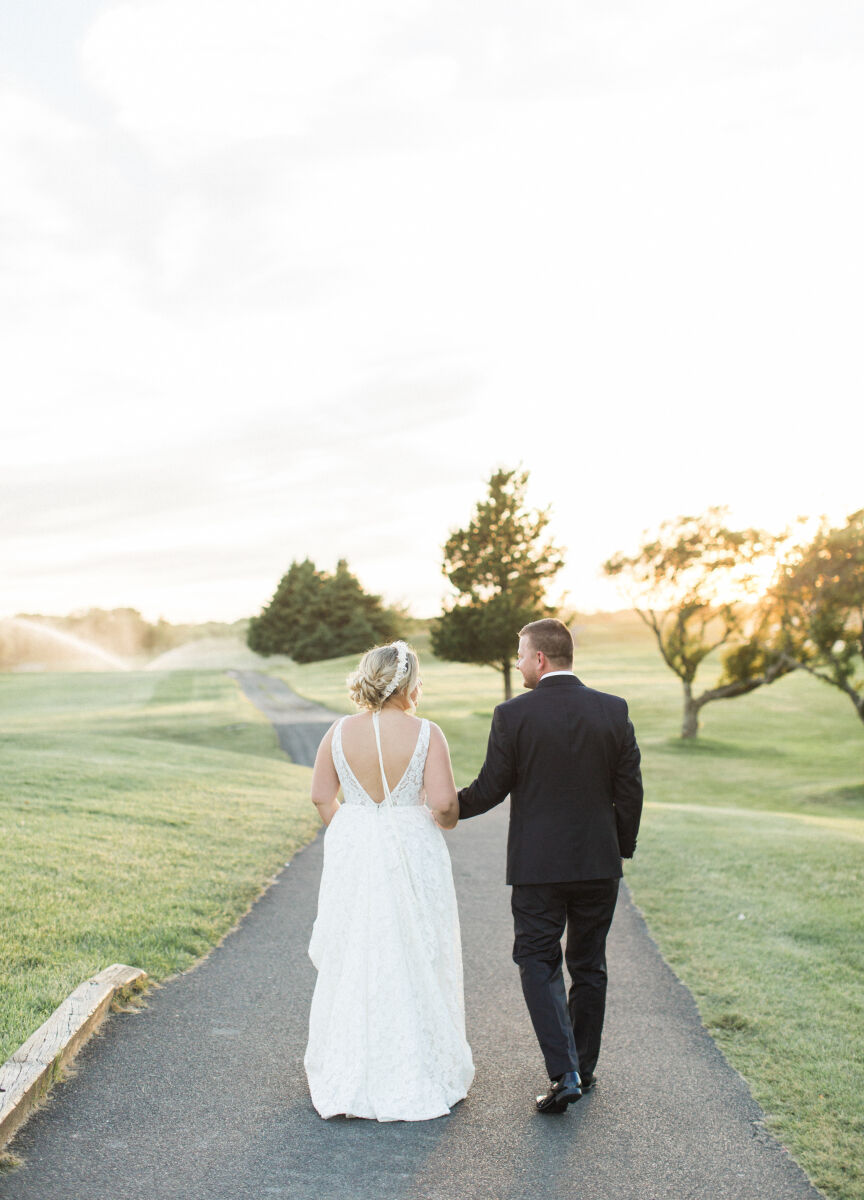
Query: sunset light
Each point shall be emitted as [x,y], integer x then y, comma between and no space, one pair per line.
[301,290]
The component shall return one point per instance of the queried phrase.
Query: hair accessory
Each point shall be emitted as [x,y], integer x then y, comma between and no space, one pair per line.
[401,669]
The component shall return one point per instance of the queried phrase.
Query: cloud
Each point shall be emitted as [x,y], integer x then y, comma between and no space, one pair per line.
[305,273]
[227,71]
[358,477]
[191,78]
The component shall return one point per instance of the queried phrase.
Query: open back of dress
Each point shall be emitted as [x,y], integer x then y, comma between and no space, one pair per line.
[387,1022]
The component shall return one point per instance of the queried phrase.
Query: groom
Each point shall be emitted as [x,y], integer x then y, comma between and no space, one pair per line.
[568,758]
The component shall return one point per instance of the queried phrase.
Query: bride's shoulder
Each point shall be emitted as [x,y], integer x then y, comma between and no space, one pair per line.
[350,722]
[339,724]
[436,734]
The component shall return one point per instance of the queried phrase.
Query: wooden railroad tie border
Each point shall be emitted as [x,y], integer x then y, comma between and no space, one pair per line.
[28,1075]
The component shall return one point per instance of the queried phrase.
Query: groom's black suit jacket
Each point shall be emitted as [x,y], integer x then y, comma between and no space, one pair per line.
[567,757]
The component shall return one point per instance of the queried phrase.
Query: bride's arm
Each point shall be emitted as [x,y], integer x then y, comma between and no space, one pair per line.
[438,780]
[325,781]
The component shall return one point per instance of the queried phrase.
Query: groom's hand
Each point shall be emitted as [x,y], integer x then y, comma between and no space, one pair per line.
[497,774]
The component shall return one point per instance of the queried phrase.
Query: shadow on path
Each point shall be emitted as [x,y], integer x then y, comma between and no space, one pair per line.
[202,1095]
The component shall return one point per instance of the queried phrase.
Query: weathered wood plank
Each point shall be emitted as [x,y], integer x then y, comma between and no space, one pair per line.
[27,1076]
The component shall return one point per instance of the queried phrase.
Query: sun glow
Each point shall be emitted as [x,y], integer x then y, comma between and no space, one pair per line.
[235,318]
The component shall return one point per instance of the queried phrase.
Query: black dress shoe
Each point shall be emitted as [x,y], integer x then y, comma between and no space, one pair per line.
[564,1090]
[588,1082]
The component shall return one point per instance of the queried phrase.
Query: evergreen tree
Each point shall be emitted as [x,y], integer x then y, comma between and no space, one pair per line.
[315,615]
[499,564]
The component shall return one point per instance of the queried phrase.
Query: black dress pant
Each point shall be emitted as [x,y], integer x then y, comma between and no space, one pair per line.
[568,1028]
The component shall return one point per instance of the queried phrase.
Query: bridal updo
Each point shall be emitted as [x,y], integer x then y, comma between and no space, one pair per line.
[371,685]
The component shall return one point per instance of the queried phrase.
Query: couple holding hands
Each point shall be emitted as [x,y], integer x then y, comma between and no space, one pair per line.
[387,1021]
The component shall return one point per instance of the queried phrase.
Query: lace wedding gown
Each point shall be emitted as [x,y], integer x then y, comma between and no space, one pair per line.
[387,1022]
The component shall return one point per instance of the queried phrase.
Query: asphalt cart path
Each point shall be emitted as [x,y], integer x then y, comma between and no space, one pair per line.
[201,1095]
[300,724]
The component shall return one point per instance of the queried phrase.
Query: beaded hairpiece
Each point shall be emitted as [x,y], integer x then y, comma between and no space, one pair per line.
[401,669]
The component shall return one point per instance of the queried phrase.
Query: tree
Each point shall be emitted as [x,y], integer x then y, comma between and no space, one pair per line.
[499,565]
[683,583]
[288,615]
[314,615]
[819,599]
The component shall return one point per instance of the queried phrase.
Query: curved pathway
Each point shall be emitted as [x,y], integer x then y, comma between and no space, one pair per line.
[300,724]
[202,1096]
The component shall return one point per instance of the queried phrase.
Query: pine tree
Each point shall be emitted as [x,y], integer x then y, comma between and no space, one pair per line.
[499,564]
[314,615]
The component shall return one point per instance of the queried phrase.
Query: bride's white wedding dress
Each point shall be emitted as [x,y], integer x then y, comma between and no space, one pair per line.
[387,1022]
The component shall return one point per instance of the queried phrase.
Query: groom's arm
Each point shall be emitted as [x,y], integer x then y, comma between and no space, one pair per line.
[628,791]
[497,775]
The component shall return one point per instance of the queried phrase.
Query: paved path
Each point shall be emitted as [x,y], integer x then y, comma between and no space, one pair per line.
[202,1095]
[299,724]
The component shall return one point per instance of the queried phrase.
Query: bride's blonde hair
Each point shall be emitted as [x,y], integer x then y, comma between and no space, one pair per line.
[370,686]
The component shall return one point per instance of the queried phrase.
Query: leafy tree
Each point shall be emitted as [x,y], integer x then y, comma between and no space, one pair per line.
[315,615]
[819,601]
[499,565]
[681,582]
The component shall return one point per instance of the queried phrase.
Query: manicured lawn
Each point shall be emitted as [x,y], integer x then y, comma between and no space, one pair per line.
[749,870]
[140,815]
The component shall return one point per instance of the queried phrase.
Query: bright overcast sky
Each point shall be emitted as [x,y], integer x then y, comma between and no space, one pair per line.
[282,279]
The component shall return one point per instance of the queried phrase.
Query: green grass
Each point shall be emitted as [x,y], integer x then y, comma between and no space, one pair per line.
[761,914]
[750,869]
[140,816]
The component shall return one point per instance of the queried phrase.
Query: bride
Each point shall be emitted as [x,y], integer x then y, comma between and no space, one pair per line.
[387,1022]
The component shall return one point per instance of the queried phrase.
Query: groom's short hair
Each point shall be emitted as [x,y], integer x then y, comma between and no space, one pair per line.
[552,637]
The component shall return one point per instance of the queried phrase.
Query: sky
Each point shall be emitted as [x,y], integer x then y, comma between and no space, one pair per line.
[283,279]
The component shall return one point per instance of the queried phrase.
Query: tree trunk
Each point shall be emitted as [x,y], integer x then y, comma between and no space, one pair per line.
[690,724]
[508,690]
[857,700]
